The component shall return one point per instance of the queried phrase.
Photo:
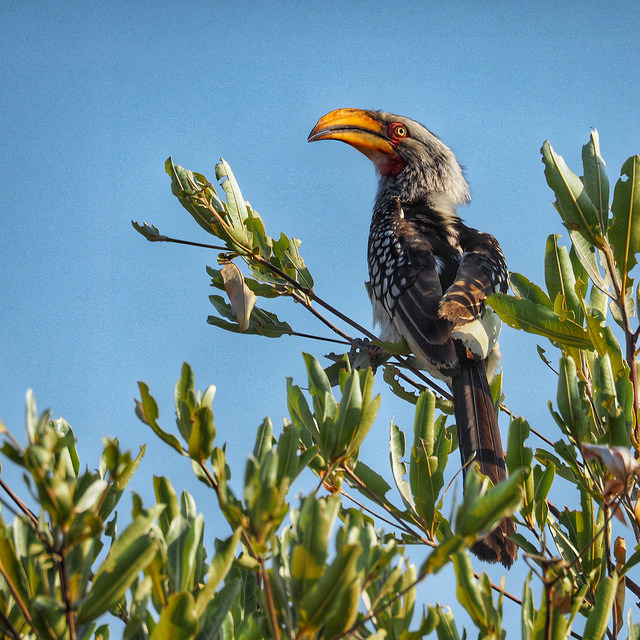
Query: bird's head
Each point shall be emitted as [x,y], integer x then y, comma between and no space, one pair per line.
[405,153]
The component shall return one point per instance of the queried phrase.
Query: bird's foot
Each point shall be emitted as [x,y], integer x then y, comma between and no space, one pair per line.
[366,354]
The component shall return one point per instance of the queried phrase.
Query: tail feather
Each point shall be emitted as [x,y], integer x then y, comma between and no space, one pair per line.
[480,443]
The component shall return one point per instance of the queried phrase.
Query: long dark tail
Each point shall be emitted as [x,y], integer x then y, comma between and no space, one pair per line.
[479,437]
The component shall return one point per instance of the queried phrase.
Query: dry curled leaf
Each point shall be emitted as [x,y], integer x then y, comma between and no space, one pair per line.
[242,299]
[618,460]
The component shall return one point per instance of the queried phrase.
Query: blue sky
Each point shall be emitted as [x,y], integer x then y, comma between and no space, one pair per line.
[97,95]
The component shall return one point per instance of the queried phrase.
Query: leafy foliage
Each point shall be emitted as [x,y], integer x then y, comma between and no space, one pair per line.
[310,567]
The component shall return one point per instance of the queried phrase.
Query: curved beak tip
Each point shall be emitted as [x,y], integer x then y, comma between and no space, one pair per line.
[359,128]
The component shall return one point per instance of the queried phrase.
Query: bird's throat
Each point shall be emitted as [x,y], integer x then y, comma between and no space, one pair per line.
[390,166]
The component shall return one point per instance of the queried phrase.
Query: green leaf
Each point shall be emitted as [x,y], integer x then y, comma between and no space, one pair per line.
[289,464]
[527,290]
[348,413]
[236,206]
[538,319]
[49,619]
[595,180]
[187,186]
[31,416]
[480,511]
[605,342]
[337,578]
[313,528]
[218,569]
[372,480]
[217,610]
[446,627]
[299,411]
[428,459]
[624,232]
[572,403]
[192,546]
[598,619]
[90,496]
[14,574]
[573,202]
[543,479]
[588,256]
[561,281]
[178,620]
[397,450]
[147,411]
[129,555]
[520,456]
[467,589]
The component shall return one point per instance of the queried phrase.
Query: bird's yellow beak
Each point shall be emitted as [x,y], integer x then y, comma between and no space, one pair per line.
[361,129]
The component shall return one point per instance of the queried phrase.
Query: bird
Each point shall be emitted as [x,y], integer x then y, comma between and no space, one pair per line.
[429,275]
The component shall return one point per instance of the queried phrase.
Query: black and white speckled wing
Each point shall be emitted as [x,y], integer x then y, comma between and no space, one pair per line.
[405,273]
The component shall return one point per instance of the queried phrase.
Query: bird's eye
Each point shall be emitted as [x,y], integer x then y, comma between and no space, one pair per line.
[398,131]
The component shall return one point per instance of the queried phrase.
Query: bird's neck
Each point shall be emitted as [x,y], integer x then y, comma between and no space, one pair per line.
[443,185]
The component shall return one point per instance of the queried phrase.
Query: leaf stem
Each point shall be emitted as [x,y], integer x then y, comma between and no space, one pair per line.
[66,590]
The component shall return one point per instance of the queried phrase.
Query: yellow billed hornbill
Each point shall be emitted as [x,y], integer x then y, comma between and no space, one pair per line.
[429,276]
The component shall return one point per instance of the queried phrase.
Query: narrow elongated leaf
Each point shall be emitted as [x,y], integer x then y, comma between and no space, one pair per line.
[218,569]
[527,290]
[520,456]
[319,384]
[538,319]
[147,411]
[373,481]
[624,232]
[331,585]
[129,555]
[573,202]
[605,342]
[428,459]
[595,179]
[560,279]
[166,495]
[599,617]
[446,627]
[478,514]
[572,404]
[14,574]
[313,528]
[193,543]
[467,589]
[397,450]
[367,418]
[588,256]
[236,207]
[300,412]
[217,610]
[348,413]
[264,439]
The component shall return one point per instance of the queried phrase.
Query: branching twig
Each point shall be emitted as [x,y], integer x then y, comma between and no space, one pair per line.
[22,506]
